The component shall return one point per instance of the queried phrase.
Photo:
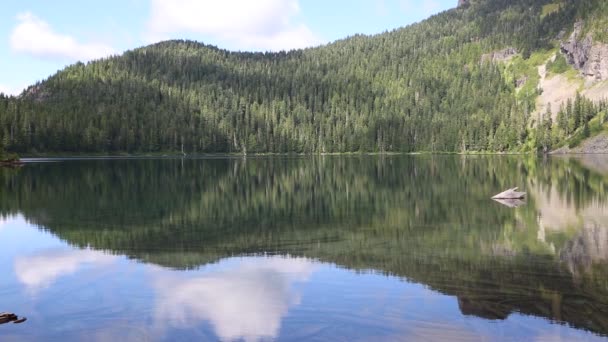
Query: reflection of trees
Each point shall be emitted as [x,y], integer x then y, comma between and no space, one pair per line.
[425,218]
[578,185]
[254,205]
[587,248]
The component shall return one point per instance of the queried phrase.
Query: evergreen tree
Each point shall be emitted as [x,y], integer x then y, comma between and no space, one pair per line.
[419,88]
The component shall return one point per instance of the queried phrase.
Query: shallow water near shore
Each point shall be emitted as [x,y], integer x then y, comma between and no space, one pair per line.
[305,248]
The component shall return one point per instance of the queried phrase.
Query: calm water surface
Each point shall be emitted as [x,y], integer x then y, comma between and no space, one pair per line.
[327,248]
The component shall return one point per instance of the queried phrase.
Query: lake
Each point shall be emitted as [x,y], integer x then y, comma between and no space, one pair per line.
[347,248]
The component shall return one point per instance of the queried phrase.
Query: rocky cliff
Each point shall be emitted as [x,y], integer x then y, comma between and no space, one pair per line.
[463,3]
[586,56]
[500,56]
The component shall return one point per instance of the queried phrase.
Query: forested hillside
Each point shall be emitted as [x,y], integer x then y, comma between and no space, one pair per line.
[425,87]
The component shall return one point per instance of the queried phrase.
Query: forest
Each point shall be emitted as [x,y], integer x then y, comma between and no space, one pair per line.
[424,87]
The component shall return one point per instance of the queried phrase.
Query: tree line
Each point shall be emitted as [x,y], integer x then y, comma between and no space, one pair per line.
[419,88]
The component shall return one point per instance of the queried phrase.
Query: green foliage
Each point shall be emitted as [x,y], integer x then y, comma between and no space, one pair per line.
[419,88]
[550,9]
[589,129]
[575,121]
[559,66]
[595,16]
[10,157]
[6,156]
[527,69]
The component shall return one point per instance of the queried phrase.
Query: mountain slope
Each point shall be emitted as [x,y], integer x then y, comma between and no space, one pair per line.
[423,87]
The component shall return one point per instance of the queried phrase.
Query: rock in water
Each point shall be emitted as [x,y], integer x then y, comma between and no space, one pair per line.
[510,194]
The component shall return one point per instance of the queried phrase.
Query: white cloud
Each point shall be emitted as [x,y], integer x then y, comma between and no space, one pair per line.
[245,24]
[39,271]
[381,7]
[35,37]
[245,302]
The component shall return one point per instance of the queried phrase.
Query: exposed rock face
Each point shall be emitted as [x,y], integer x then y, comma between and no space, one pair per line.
[576,51]
[591,59]
[463,3]
[595,145]
[38,93]
[597,65]
[500,56]
[521,81]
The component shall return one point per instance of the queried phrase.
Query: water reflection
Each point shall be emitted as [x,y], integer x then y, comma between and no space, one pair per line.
[588,248]
[511,203]
[3,222]
[41,269]
[424,220]
[246,301]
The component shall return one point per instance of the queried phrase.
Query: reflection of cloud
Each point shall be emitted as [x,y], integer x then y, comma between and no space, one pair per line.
[40,270]
[247,301]
[7,221]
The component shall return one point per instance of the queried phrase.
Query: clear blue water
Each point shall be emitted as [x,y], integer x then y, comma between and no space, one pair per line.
[336,248]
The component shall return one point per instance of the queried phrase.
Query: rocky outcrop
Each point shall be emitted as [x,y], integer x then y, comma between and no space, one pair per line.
[589,58]
[37,93]
[500,56]
[594,145]
[463,3]
[597,65]
[575,50]
[521,81]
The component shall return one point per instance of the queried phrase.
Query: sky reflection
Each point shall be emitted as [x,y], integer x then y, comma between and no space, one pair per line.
[287,249]
[41,269]
[246,300]
[239,298]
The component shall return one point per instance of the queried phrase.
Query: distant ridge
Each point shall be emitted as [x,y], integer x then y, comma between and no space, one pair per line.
[424,87]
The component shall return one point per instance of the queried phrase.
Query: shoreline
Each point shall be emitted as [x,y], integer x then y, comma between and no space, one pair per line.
[53,156]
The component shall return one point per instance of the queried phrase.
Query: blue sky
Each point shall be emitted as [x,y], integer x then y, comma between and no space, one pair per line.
[37,38]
